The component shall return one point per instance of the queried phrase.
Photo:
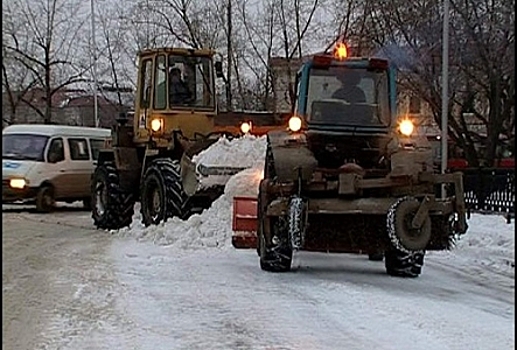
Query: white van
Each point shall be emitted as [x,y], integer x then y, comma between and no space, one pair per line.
[48,163]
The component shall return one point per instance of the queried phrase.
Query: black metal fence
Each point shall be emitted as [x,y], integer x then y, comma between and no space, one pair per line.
[490,190]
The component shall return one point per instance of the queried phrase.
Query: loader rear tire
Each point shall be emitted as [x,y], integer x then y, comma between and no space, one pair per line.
[401,264]
[162,196]
[112,208]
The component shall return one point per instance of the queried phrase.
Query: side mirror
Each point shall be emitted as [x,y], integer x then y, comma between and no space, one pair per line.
[219,69]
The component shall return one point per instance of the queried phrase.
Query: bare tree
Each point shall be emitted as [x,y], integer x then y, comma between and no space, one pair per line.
[17,79]
[482,68]
[53,28]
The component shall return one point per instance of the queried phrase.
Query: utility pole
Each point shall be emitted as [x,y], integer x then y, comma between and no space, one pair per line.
[445,87]
[230,57]
[94,53]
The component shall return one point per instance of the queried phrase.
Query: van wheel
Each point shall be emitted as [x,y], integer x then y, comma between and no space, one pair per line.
[45,199]
[161,194]
[112,208]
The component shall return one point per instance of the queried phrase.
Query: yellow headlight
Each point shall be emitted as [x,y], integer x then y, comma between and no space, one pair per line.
[295,123]
[156,124]
[17,183]
[246,127]
[406,127]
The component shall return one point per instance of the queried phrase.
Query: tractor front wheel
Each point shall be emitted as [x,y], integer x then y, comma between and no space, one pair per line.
[277,256]
[161,193]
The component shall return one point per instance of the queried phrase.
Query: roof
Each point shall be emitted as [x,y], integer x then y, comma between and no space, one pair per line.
[49,130]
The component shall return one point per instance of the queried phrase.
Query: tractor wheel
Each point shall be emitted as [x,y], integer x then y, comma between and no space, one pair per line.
[401,264]
[112,208]
[402,235]
[162,194]
[278,256]
[45,199]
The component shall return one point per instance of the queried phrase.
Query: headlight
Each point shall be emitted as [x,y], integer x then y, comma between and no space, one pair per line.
[156,124]
[246,127]
[295,123]
[17,183]
[406,127]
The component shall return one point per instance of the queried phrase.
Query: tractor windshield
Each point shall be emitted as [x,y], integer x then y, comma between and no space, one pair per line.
[348,96]
[190,82]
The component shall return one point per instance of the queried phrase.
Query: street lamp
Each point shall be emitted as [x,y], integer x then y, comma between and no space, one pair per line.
[445,86]
[94,53]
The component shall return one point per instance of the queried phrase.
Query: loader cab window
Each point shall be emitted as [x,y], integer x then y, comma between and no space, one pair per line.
[345,96]
[160,84]
[145,83]
[191,82]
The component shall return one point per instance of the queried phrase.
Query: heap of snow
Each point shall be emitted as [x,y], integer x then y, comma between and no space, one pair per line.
[243,152]
[489,243]
[213,227]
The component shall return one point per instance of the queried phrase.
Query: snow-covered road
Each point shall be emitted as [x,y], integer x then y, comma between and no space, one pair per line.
[135,294]
[181,285]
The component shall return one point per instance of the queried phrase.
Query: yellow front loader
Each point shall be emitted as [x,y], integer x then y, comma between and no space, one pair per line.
[150,155]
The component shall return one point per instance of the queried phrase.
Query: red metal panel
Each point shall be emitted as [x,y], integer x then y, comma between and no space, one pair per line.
[244,214]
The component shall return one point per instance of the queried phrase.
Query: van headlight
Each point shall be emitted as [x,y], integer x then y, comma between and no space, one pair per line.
[18,183]
[156,124]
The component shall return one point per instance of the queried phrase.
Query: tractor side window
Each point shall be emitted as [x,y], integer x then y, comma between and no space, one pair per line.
[145,83]
[160,83]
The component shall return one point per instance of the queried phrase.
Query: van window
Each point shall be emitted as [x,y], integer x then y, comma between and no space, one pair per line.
[78,149]
[56,151]
[23,146]
[96,145]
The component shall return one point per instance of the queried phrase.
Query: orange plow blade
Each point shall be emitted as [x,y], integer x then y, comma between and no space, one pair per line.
[244,222]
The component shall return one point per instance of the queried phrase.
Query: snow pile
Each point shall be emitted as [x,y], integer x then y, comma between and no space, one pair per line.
[489,243]
[213,227]
[243,152]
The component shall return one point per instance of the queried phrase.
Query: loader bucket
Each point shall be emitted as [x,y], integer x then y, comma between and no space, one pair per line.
[244,222]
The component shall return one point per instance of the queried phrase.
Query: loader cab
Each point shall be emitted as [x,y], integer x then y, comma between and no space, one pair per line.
[354,93]
[176,91]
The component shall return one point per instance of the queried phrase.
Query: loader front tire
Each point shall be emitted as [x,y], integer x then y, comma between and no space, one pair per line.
[161,192]
[112,208]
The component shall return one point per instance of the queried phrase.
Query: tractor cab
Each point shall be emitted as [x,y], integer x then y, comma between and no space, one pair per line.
[347,106]
[344,93]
